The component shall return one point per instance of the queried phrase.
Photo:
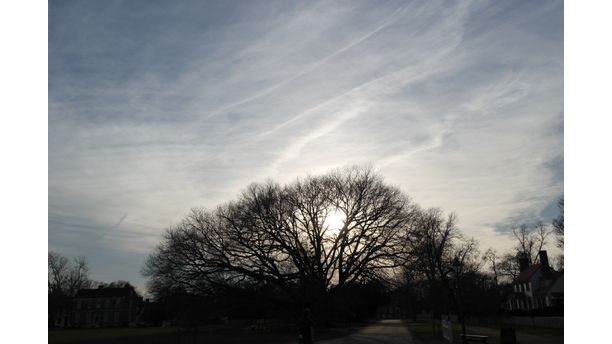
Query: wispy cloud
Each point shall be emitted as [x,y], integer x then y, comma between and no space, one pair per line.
[158,107]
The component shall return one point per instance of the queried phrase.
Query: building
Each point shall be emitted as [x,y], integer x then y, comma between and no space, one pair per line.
[537,287]
[103,307]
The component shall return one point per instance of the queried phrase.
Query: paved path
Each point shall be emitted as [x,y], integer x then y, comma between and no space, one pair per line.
[383,332]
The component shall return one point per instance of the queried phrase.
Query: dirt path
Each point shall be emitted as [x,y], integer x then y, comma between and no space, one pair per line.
[383,332]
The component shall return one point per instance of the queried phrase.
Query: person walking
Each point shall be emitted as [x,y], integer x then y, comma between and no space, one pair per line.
[305,327]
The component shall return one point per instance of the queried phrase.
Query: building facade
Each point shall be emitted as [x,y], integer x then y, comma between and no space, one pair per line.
[104,307]
[538,287]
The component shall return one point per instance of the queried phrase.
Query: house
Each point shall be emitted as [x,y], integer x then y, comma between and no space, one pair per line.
[537,287]
[104,307]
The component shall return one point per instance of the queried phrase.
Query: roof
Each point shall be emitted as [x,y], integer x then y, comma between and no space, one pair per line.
[105,292]
[554,286]
[525,275]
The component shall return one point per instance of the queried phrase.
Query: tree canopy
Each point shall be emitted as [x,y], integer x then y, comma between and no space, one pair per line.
[283,235]
[66,278]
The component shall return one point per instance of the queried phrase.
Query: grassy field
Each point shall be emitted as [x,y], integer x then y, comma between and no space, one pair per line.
[83,335]
[156,335]
[423,332]
[524,335]
[165,336]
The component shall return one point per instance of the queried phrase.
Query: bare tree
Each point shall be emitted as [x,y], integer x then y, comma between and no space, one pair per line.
[281,235]
[530,241]
[491,257]
[67,278]
[58,272]
[558,224]
[435,243]
[79,276]
[441,254]
[508,268]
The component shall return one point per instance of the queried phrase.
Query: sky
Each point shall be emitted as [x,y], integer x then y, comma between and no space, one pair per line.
[156,107]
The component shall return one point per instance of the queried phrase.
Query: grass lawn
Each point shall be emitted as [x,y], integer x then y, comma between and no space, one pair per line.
[81,335]
[524,335]
[157,335]
[423,332]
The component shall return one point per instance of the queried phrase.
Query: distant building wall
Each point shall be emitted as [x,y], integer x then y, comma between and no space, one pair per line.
[105,307]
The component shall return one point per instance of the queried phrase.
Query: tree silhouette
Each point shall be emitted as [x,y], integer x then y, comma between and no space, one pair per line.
[65,279]
[281,235]
[529,242]
[441,255]
[558,224]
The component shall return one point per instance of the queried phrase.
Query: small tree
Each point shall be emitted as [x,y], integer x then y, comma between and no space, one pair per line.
[65,279]
[508,268]
[529,242]
[434,243]
[558,224]
[559,233]
[491,257]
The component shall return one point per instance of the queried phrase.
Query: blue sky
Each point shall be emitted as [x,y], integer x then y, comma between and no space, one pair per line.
[157,106]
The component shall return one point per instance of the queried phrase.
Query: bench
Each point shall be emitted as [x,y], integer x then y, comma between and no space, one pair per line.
[473,338]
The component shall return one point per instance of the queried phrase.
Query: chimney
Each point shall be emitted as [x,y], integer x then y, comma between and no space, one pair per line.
[544,261]
[523,262]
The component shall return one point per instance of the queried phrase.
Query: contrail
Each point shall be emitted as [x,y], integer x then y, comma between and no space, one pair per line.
[392,18]
[121,220]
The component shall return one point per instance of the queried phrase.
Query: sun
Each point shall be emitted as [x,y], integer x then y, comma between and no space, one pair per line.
[334,222]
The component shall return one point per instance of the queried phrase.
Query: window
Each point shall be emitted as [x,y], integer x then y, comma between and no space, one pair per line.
[527,286]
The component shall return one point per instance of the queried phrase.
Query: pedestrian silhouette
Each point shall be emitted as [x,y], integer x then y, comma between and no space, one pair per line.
[305,327]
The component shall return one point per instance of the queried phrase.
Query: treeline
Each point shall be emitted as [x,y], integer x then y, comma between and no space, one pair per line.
[339,244]
[342,244]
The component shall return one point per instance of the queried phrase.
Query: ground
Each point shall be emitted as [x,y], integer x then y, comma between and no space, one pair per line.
[383,332]
[390,331]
